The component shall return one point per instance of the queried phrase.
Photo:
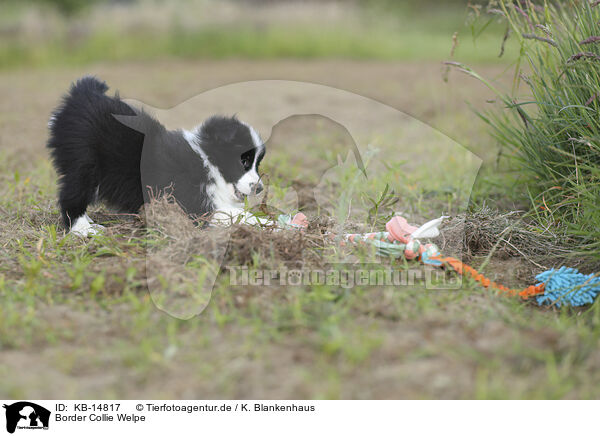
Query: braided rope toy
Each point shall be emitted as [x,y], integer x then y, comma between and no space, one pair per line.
[563,286]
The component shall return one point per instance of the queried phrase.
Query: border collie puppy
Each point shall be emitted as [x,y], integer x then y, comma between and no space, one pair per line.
[106,150]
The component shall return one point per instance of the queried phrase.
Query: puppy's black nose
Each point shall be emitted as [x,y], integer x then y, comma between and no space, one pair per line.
[256,188]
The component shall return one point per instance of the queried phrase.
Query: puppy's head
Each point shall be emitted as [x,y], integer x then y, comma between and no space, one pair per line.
[236,150]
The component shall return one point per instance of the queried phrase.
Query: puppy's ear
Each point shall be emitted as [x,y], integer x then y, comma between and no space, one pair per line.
[218,129]
[131,121]
[142,122]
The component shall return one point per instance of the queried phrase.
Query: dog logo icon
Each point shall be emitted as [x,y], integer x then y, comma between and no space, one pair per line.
[26,415]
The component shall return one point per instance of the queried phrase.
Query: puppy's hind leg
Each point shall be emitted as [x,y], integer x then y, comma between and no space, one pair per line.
[77,191]
[81,227]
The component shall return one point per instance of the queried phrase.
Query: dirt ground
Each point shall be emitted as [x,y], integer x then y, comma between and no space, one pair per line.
[77,315]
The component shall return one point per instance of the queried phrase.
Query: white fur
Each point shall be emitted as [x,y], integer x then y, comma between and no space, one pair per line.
[84,226]
[247,184]
[221,193]
[228,208]
[255,136]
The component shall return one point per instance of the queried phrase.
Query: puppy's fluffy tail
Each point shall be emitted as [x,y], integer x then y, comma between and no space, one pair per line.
[86,86]
[89,84]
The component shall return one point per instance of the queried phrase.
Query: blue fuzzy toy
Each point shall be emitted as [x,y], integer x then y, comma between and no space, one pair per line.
[569,287]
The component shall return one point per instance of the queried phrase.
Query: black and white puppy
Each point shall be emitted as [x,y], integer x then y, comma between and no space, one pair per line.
[106,150]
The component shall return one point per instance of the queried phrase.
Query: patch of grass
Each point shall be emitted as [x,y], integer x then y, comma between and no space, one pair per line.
[275,42]
[553,132]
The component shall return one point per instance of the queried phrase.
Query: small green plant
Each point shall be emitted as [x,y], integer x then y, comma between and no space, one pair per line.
[554,132]
[385,202]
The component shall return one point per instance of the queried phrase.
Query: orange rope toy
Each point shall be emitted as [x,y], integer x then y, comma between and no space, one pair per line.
[462,268]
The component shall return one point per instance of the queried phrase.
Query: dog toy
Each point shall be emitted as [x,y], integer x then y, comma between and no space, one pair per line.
[563,286]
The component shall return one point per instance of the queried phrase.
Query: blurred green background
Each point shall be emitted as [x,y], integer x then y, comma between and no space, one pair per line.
[75,32]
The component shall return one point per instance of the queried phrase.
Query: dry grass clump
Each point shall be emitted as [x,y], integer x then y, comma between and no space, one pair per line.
[487,232]
[177,237]
[179,240]
[266,247]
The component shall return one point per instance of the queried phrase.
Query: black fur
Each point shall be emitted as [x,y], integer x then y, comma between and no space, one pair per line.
[105,150]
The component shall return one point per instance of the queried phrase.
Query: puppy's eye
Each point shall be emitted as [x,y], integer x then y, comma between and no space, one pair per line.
[247,159]
[246,162]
